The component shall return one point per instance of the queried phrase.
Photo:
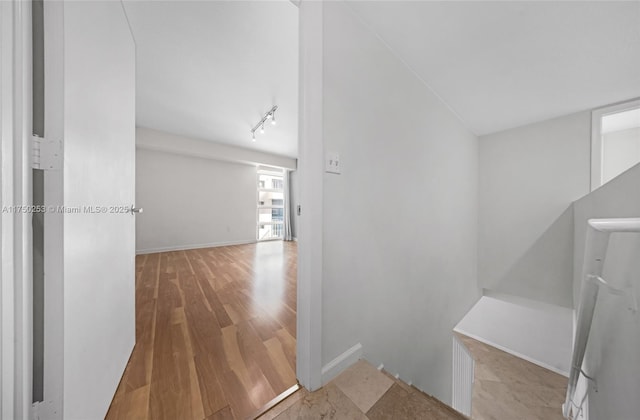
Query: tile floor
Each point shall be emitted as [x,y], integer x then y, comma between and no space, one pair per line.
[507,387]
[362,392]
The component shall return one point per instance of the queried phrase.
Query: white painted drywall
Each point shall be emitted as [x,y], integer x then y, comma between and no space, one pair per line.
[612,355]
[538,332]
[99,170]
[620,151]
[192,202]
[529,176]
[400,222]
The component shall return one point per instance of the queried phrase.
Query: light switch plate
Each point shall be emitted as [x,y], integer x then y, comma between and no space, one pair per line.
[332,163]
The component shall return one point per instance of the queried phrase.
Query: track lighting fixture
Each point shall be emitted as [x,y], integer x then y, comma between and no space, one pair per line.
[271,114]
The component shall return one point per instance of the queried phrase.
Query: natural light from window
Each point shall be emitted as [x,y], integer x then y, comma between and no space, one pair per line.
[270,213]
[615,141]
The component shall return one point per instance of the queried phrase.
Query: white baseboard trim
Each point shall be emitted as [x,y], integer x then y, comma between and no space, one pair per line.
[340,363]
[515,353]
[195,246]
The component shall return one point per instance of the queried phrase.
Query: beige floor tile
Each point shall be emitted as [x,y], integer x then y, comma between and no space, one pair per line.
[507,387]
[363,384]
[328,403]
[397,403]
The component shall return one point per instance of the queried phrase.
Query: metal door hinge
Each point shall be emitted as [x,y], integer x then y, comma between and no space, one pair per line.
[47,154]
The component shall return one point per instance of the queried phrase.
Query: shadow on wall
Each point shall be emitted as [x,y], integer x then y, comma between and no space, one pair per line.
[612,355]
[545,271]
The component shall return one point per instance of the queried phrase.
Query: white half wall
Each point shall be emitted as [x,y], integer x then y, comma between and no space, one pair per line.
[534,331]
[193,202]
[529,176]
[400,221]
[612,355]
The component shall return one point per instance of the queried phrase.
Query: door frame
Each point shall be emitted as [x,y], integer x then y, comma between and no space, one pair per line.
[16,190]
[310,164]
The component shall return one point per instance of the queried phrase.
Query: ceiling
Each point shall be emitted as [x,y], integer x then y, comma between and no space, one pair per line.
[505,64]
[211,69]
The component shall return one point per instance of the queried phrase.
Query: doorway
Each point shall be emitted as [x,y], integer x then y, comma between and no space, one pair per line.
[615,141]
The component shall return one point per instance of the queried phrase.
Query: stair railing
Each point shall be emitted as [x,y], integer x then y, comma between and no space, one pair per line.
[463,377]
[596,244]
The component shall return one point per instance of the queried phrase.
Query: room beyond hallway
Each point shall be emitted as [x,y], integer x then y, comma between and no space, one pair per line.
[215,333]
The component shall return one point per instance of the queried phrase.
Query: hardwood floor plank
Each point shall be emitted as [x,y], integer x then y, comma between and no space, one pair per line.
[288,346]
[213,338]
[279,358]
[258,361]
[221,314]
[211,391]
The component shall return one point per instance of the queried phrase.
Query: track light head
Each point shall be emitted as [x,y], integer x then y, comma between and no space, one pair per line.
[270,115]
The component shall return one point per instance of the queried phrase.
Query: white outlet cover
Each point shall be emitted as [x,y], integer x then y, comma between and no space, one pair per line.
[332,163]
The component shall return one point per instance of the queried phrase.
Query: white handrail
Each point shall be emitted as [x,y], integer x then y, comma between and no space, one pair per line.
[596,244]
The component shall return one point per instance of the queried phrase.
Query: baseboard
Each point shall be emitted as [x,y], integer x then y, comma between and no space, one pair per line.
[340,363]
[195,246]
[514,353]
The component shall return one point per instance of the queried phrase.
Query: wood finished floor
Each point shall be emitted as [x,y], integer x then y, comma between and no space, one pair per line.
[215,333]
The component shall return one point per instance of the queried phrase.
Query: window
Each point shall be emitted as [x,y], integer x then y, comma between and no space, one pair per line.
[270,204]
[615,141]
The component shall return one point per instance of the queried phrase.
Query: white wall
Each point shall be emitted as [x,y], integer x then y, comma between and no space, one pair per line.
[192,202]
[534,331]
[400,222]
[529,176]
[612,351]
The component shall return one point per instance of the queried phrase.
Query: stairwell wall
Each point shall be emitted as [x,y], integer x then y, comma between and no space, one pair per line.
[529,177]
[400,221]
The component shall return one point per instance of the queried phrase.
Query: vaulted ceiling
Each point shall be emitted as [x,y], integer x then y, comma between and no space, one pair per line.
[211,69]
[503,64]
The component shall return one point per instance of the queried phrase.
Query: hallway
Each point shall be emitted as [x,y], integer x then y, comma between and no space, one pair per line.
[215,333]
